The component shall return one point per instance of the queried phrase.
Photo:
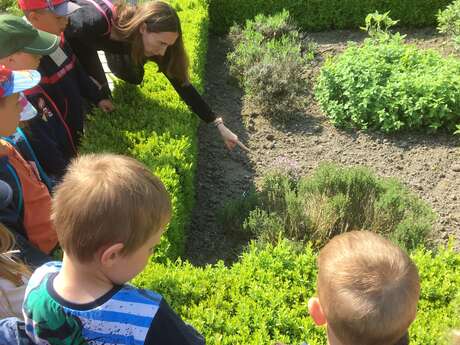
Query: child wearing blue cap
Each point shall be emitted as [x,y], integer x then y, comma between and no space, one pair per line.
[28,213]
[14,204]
[46,137]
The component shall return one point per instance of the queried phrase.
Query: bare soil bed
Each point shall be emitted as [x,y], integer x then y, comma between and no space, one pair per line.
[428,164]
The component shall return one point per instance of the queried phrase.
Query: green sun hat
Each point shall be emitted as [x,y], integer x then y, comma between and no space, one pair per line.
[18,35]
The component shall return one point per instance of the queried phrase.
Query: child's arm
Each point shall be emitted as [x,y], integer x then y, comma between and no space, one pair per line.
[168,328]
[47,150]
[12,331]
[89,60]
[9,215]
[193,99]
[91,91]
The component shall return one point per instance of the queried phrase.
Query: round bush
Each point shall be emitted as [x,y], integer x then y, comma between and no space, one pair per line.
[388,85]
[331,201]
[271,62]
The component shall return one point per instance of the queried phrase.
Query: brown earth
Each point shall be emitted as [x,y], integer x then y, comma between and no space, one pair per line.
[428,164]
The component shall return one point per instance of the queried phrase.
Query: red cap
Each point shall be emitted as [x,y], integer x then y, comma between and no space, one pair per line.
[59,7]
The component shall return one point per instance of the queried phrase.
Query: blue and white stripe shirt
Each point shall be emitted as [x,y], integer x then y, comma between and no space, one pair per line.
[124,315]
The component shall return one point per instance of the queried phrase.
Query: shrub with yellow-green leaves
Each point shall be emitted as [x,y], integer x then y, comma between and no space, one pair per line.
[263,297]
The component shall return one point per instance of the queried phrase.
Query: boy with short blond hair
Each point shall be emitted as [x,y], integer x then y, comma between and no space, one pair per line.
[109,213]
[368,290]
[120,195]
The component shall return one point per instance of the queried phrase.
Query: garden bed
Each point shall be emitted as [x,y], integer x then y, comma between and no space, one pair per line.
[428,164]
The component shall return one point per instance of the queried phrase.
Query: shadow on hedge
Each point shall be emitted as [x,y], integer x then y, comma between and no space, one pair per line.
[159,135]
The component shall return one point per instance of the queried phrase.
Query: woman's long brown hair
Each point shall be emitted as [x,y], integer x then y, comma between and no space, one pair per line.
[159,17]
[10,269]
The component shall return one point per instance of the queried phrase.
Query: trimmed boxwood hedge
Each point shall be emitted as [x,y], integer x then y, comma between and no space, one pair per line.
[317,15]
[152,124]
[264,296]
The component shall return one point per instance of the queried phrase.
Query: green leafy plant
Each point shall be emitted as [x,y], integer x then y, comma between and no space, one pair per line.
[331,201]
[10,6]
[271,62]
[378,25]
[458,129]
[234,212]
[152,124]
[449,21]
[390,86]
[263,297]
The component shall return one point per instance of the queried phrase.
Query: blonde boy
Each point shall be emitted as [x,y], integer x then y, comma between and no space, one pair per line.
[368,290]
[109,213]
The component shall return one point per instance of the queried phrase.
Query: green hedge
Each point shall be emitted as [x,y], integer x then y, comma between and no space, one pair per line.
[264,296]
[10,6]
[317,15]
[152,124]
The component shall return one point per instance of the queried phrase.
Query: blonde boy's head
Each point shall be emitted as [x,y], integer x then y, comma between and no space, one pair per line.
[368,289]
[106,199]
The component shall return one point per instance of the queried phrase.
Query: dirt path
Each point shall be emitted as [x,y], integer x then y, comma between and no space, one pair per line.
[428,164]
[221,175]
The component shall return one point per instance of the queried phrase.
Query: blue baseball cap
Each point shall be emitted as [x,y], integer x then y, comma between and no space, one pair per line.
[12,82]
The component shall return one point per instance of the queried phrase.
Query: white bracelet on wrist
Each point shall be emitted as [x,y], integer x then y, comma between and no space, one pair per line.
[217,122]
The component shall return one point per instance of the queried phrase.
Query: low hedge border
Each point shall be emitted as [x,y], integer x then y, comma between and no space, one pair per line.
[317,15]
[152,124]
[263,297]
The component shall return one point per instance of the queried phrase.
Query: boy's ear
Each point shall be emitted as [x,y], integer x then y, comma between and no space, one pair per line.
[316,311]
[32,16]
[9,60]
[108,256]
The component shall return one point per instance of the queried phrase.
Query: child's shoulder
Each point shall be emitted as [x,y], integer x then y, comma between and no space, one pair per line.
[136,297]
[42,272]
[62,58]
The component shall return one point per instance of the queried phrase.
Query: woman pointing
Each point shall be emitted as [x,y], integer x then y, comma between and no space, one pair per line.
[131,36]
